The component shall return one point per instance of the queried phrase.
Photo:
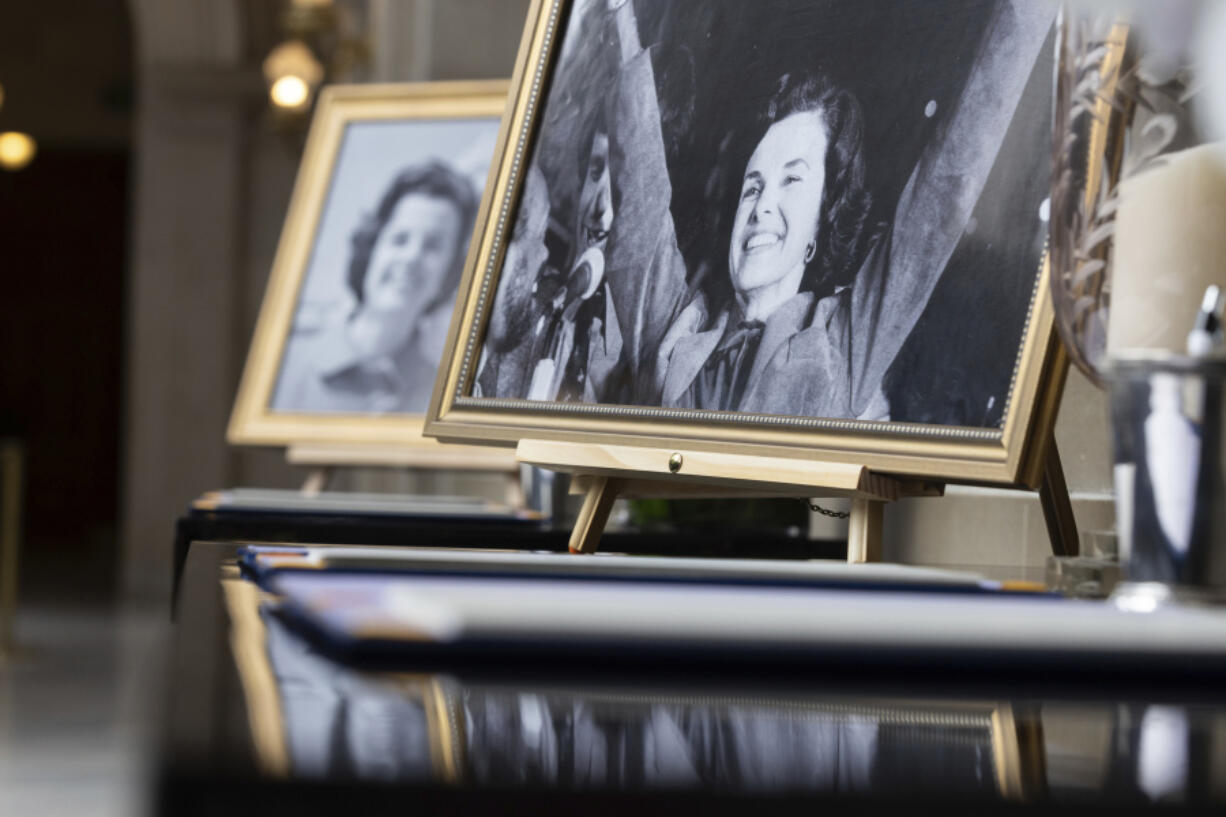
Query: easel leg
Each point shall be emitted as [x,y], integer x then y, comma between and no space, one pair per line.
[1057,508]
[515,491]
[864,531]
[1017,740]
[585,538]
[316,481]
[1031,750]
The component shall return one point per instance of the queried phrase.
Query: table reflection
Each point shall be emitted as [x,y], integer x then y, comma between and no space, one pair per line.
[314,718]
[339,722]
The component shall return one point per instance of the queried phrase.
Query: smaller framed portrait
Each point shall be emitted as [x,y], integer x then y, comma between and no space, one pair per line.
[359,301]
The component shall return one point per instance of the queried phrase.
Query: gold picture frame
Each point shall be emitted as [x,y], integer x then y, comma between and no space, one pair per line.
[1012,453]
[254,421]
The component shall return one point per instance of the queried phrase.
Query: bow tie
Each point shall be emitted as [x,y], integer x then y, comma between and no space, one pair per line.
[745,331]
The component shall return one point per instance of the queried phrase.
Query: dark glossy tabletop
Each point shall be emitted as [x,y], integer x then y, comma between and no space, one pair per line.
[260,721]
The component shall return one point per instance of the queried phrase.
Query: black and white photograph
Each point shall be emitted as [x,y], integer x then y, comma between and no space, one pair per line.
[371,317]
[805,208]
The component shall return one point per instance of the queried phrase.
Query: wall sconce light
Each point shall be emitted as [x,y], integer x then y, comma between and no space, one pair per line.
[323,41]
[292,73]
[16,150]
[290,92]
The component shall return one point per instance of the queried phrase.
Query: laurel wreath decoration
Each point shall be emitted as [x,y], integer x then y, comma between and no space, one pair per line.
[1113,121]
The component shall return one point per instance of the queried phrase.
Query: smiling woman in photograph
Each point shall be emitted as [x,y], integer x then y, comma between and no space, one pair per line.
[822,303]
[798,231]
[405,264]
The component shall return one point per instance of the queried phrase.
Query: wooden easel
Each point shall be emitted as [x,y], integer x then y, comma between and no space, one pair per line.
[602,473]
[324,458]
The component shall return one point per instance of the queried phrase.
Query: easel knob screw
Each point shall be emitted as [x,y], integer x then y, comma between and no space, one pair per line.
[674,462]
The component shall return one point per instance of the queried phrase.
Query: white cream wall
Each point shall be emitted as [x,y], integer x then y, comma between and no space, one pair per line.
[997,531]
[1000,530]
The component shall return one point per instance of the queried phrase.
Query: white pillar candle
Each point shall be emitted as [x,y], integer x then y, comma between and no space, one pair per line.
[1170,244]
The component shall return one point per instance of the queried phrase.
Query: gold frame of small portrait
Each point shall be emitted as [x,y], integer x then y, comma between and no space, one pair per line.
[252,422]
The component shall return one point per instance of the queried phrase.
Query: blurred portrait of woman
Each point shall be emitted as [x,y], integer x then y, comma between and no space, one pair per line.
[403,273]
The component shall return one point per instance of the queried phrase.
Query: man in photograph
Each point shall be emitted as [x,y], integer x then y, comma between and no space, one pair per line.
[578,343]
[554,335]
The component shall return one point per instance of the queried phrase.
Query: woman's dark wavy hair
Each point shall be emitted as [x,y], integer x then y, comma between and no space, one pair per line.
[432,179]
[846,204]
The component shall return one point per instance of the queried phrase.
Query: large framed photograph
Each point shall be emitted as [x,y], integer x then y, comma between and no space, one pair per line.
[365,278]
[796,228]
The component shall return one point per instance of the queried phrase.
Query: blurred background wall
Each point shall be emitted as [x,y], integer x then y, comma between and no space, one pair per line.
[137,244]
[211,183]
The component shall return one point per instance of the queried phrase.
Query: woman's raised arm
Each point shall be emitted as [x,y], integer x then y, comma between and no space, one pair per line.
[895,283]
[645,269]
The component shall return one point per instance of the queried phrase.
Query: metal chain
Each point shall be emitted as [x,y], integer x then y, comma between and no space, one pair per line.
[813,506]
